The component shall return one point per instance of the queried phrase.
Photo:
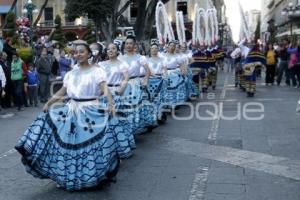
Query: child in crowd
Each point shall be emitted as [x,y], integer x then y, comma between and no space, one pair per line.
[33,81]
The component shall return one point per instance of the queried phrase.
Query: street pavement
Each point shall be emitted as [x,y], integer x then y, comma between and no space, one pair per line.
[192,158]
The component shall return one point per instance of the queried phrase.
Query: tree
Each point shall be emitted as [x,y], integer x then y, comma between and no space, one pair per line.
[257,31]
[145,19]
[12,7]
[104,14]
[10,27]
[90,37]
[40,13]
[58,34]
[70,36]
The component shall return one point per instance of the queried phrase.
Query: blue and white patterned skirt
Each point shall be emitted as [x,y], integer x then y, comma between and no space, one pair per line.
[176,91]
[157,89]
[192,91]
[75,146]
[136,108]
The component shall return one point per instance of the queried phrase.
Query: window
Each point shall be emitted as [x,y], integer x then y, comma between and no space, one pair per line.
[182,6]
[48,14]
[133,10]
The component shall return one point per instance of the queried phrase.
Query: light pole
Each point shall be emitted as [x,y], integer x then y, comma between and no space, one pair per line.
[291,12]
[29,10]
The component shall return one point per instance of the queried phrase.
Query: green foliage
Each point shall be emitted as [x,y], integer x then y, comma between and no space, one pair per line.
[70,36]
[90,37]
[96,10]
[58,33]
[11,25]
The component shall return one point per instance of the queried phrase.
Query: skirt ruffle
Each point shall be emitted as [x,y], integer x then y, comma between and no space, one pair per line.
[176,92]
[157,90]
[75,150]
[136,108]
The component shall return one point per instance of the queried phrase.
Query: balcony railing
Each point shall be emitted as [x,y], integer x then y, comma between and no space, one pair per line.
[64,24]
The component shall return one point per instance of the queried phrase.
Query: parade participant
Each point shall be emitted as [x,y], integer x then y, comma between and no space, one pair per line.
[74,143]
[176,90]
[157,81]
[244,53]
[212,57]
[96,52]
[135,95]
[117,79]
[236,56]
[200,68]
[253,58]
[192,91]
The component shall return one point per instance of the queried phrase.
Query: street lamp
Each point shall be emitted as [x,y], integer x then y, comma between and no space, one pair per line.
[291,12]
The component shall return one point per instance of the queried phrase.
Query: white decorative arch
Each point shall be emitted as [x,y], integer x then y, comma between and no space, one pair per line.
[163,25]
[180,27]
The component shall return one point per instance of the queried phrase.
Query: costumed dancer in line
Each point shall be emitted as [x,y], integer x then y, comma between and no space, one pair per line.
[213,68]
[244,53]
[200,68]
[236,56]
[136,97]
[176,89]
[117,79]
[97,51]
[254,57]
[74,144]
[157,81]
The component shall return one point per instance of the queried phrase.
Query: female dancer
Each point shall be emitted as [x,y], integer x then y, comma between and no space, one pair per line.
[157,81]
[176,89]
[74,143]
[117,79]
[136,98]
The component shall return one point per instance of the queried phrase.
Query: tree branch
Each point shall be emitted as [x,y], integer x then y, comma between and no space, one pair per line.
[120,12]
[40,14]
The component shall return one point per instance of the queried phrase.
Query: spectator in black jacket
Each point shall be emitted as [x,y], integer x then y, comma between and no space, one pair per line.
[9,50]
[43,66]
[283,64]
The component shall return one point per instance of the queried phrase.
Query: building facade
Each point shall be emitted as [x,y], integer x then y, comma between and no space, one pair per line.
[56,7]
[281,18]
